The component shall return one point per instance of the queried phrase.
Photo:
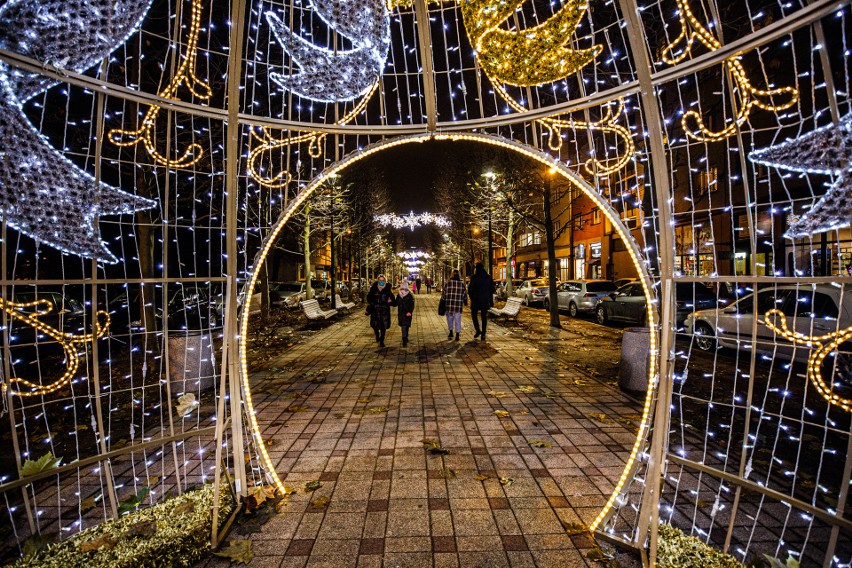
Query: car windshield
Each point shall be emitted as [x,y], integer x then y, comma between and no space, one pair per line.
[600,287]
[538,283]
[318,283]
[289,287]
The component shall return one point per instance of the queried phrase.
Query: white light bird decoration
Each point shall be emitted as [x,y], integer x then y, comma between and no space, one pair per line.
[42,193]
[333,75]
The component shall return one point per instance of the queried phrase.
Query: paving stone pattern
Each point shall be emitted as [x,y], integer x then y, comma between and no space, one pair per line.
[355,417]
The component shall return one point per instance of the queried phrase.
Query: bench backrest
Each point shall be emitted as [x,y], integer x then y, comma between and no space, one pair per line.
[338,300]
[311,306]
[513,305]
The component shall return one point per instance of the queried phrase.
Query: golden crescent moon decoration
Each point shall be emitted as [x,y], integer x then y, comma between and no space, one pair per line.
[691,30]
[66,340]
[824,344]
[184,76]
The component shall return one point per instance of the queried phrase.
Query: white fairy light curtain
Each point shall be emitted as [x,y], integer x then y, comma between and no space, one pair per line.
[117,233]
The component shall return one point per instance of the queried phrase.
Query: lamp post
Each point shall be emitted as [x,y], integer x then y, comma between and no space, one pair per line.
[490,176]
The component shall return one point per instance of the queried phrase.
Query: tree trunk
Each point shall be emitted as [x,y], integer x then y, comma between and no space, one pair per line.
[551,257]
[510,246]
[333,268]
[264,290]
[309,291]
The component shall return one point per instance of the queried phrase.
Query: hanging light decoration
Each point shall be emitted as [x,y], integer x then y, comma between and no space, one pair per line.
[412,220]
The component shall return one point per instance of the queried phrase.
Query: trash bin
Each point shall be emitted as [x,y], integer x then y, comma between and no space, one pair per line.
[192,361]
[635,353]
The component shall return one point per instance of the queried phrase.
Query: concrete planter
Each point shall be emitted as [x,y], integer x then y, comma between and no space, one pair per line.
[635,354]
[193,361]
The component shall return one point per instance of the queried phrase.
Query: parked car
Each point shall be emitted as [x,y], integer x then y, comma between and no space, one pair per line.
[624,282]
[580,295]
[532,291]
[628,303]
[500,288]
[286,294]
[809,310]
[191,306]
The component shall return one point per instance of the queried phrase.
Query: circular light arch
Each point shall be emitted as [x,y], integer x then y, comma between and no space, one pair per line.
[543,158]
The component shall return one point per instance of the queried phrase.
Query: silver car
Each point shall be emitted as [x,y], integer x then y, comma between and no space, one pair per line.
[581,295]
[532,291]
[808,310]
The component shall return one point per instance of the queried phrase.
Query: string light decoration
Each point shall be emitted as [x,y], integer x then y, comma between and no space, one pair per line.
[414,254]
[333,75]
[412,220]
[607,123]
[827,151]
[527,57]
[68,341]
[825,344]
[42,193]
[315,142]
[681,47]
[184,77]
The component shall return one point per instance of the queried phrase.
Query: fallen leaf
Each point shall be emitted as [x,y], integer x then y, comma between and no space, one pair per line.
[434,447]
[289,491]
[363,400]
[540,444]
[506,481]
[296,409]
[481,477]
[575,528]
[88,503]
[320,502]
[44,463]
[312,485]
[133,501]
[498,394]
[601,417]
[598,554]
[448,473]
[501,413]
[184,508]
[104,541]
[526,388]
[186,403]
[239,550]
[525,411]
[378,409]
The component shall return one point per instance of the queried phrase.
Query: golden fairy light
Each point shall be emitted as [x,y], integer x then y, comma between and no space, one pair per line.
[68,341]
[749,96]
[184,76]
[825,344]
[267,143]
[541,157]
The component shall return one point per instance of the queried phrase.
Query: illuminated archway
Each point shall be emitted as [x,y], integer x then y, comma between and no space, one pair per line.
[535,154]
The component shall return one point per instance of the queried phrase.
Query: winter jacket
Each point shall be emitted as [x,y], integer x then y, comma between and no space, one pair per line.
[455,296]
[405,304]
[481,291]
[381,300]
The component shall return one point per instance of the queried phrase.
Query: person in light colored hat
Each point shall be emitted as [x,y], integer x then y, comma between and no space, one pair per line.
[405,307]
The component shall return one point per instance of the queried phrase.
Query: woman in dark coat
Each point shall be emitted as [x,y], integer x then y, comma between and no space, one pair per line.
[405,305]
[379,301]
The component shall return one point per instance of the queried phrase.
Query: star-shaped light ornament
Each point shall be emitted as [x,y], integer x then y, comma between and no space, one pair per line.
[827,151]
[412,221]
[42,193]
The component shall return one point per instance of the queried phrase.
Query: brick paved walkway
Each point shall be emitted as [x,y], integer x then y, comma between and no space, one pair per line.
[338,410]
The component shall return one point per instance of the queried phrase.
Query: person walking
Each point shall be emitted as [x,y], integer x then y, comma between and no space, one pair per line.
[379,302]
[455,298]
[419,283]
[405,307]
[481,292]
[414,286]
[428,284]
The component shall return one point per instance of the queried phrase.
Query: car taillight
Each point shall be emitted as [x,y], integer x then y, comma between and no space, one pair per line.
[590,295]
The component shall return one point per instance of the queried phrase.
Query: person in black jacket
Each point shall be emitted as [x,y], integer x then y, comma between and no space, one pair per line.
[405,305]
[379,301]
[481,293]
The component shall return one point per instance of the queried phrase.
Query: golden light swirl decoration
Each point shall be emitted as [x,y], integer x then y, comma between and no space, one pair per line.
[607,123]
[315,140]
[749,96]
[66,340]
[530,56]
[183,77]
[824,344]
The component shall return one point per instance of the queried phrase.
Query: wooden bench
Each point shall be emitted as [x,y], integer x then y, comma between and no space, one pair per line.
[510,310]
[341,304]
[313,311]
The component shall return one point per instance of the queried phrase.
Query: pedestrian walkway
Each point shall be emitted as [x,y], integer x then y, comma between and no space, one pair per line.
[339,410]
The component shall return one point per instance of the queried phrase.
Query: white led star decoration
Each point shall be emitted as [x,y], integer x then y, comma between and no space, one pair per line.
[827,151]
[42,193]
[412,220]
[335,75]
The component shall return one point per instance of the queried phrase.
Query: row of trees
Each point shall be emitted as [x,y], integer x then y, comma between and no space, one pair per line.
[492,196]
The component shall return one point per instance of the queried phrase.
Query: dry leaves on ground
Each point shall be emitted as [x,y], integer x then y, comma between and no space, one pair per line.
[501,413]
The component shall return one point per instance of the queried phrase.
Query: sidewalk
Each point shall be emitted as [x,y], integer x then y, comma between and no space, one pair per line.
[354,417]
